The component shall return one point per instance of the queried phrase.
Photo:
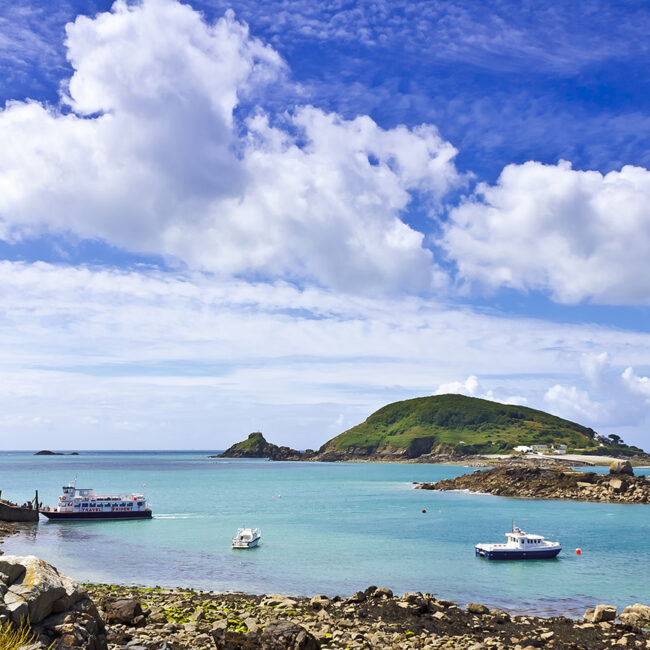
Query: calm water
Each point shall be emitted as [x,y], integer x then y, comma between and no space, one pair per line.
[327,528]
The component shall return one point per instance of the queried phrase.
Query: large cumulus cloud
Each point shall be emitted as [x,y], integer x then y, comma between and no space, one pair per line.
[575,234]
[152,150]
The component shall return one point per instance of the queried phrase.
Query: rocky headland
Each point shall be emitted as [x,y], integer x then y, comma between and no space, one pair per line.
[619,486]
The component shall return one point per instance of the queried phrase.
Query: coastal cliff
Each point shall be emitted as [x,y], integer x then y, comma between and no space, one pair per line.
[552,483]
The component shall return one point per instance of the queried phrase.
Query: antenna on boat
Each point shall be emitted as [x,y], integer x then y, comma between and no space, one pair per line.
[512,530]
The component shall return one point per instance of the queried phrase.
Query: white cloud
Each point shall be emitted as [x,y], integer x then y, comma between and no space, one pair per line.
[594,365]
[468,387]
[170,356]
[635,383]
[573,404]
[152,159]
[577,234]
[472,388]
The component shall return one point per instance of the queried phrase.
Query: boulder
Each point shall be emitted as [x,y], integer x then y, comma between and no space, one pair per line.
[477,608]
[60,612]
[126,611]
[10,570]
[617,484]
[278,635]
[621,467]
[637,615]
[41,586]
[319,602]
[279,601]
[604,613]
[382,592]
[285,635]
[357,597]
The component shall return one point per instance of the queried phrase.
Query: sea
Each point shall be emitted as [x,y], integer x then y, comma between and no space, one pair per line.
[327,528]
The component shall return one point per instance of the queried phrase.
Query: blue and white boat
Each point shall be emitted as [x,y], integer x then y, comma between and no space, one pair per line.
[520,546]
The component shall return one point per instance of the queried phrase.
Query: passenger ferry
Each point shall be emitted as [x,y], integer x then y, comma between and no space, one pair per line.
[520,546]
[81,504]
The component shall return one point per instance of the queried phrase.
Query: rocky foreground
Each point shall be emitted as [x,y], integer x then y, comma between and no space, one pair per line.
[161,619]
[64,614]
[619,486]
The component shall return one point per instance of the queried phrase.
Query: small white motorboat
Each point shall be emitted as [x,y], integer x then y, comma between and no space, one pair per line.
[246,538]
[520,546]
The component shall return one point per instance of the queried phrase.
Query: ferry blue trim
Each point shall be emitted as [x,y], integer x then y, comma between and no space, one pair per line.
[83,516]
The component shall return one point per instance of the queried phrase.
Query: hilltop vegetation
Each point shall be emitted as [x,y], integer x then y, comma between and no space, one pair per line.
[453,425]
[458,424]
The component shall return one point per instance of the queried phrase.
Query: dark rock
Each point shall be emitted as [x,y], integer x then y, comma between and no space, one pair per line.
[621,467]
[278,635]
[604,613]
[357,597]
[256,446]
[289,635]
[126,611]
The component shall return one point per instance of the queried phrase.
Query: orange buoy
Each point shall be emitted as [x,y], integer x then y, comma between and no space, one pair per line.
[424,509]
[578,551]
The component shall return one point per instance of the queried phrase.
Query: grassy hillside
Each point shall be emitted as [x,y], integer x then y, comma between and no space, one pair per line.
[467,424]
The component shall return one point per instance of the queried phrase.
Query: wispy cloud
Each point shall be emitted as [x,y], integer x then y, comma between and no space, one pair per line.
[151,352]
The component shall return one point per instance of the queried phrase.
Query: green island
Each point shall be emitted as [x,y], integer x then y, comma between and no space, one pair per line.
[452,426]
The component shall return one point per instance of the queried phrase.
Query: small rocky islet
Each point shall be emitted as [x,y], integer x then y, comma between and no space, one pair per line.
[619,486]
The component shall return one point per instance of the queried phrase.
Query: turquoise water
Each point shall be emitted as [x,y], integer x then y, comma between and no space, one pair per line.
[327,528]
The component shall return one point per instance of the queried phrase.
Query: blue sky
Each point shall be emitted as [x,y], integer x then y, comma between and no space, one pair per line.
[269,215]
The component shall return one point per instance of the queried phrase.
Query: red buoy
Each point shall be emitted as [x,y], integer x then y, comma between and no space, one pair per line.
[424,509]
[578,551]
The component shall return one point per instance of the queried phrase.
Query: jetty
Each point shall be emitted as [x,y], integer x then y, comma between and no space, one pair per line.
[12,512]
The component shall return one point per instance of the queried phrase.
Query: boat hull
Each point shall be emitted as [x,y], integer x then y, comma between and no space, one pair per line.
[243,545]
[95,516]
[515,554]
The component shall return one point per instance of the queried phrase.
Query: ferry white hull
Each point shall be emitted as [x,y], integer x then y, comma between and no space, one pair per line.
[92,516]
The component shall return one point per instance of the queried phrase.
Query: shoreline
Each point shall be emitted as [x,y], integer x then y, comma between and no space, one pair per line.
[373,618]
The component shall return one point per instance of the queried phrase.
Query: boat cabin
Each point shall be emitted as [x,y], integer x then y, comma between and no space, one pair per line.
[522,540]
[81,500]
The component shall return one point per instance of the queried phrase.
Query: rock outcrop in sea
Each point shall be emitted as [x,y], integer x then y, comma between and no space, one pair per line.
[256,446]
[620,486]
[58,610]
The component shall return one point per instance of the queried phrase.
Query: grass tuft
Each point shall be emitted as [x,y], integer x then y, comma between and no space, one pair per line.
[12,637]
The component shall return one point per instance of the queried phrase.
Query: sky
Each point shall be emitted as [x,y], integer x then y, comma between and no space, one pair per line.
[222,217]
